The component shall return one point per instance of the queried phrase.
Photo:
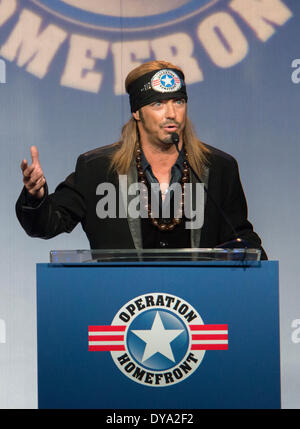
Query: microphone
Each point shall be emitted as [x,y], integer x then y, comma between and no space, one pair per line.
[175,139]
[237,242]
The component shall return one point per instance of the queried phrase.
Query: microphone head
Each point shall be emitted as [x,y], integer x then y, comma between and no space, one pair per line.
[175,138]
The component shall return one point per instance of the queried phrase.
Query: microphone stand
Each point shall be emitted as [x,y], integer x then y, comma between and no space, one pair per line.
[237,242]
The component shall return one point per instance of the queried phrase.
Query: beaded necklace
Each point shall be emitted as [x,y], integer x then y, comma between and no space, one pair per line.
[159,223]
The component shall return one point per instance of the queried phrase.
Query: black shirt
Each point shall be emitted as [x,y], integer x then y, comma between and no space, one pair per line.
[153,238]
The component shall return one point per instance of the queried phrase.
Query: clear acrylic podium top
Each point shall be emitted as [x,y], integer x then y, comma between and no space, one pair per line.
[162,255]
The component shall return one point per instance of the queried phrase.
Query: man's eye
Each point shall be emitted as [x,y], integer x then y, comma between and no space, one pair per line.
[182,101]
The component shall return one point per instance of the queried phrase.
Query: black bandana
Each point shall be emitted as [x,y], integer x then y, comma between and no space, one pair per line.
[161,84]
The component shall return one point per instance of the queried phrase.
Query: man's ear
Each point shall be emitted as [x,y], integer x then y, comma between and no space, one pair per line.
[136,115]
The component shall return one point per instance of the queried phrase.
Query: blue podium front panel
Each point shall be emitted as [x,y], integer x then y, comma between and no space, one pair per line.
[186,335]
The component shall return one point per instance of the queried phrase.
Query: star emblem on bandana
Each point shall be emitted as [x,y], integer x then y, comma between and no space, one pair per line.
[167,80]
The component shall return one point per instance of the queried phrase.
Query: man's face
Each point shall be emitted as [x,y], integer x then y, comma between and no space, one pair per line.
[158,120]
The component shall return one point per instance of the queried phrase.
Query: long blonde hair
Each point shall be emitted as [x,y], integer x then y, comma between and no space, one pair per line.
[122,157]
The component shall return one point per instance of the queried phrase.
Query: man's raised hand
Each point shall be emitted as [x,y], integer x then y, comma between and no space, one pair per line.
[33,176]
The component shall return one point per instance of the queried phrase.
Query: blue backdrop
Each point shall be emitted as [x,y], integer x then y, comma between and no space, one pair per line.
[65,62]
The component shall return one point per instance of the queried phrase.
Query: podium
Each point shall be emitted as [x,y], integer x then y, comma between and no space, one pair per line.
[193,329]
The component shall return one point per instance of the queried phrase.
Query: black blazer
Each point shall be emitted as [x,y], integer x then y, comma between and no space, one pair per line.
[75,200]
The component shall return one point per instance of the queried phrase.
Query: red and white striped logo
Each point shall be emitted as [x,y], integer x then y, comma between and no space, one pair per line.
[108,338]
[157,339]
[209,337]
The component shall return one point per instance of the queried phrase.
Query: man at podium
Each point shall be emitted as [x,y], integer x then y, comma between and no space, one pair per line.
[158,155]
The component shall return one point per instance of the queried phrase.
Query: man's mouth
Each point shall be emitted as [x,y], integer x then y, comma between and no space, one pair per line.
[170,127]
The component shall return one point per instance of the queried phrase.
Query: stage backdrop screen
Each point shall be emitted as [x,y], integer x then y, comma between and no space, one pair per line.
[62,70]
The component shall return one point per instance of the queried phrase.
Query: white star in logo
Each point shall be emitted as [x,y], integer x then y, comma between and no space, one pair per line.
[158,339]
[167,80]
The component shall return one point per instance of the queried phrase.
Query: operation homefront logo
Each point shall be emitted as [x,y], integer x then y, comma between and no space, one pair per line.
[157,339]
[83,42]
[166,81]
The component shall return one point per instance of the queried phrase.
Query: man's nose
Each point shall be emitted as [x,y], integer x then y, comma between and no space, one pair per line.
[170,110]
